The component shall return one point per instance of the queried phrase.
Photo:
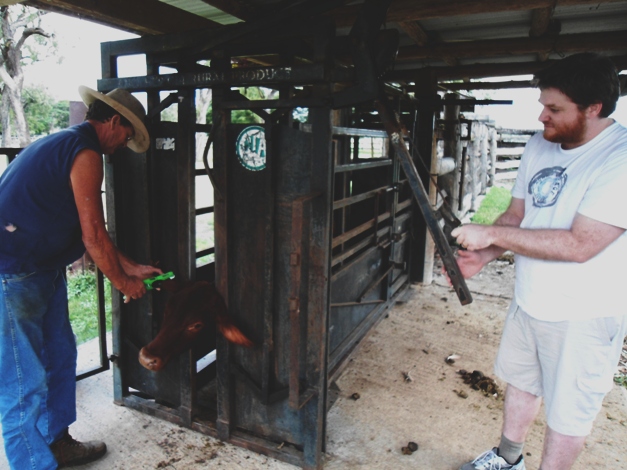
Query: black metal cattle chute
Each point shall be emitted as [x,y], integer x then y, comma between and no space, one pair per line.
[307,234]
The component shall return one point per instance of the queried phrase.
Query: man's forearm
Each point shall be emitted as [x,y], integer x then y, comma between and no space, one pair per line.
[126,263]
[506,219]
[105,255]
[546,244]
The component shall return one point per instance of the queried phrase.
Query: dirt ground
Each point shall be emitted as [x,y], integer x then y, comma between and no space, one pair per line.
[450,422]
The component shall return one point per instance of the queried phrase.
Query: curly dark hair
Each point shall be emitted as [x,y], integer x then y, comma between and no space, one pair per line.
[586,78]
[102,112]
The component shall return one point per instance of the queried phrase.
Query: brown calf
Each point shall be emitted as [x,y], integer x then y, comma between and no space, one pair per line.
[193,307]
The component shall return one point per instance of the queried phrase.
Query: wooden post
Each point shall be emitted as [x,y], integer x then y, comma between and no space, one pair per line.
[427,277]
[474,167]
[426,86]
[221,119]
[493,145]
[485,132]
[453,148]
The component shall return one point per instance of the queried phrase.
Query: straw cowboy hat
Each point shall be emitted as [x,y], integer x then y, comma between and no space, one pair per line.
[129,107]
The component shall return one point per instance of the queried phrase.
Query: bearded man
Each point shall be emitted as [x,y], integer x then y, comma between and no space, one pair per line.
[564,331]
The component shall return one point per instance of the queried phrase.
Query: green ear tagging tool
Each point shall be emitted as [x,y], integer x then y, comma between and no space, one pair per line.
[155,282]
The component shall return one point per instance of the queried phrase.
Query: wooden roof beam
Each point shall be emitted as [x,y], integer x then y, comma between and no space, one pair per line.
[542,24]
[415,32]
[482,70]
[610,41]
[455,86]
[138,16]
[415,10]
[540,20]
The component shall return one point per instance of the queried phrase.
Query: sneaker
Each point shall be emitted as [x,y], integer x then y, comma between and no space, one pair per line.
[491,460]
[69,452]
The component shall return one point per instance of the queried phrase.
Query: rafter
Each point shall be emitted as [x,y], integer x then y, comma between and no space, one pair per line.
[455,86]
[415,32]
[540,20]
[508,47]
[413,10]
[481,70]
[137,16]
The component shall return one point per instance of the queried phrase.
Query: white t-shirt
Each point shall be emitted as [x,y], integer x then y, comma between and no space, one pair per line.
[556,184]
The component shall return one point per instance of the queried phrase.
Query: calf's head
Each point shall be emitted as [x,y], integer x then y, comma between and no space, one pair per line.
[193,308]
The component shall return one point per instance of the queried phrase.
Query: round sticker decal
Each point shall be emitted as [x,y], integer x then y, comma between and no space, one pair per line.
[250,147]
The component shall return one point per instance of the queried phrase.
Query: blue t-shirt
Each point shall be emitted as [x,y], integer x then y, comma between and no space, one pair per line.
[39,224]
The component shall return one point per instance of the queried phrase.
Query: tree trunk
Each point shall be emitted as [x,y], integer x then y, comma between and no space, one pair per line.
[203,100]
[5,115]
[12,19]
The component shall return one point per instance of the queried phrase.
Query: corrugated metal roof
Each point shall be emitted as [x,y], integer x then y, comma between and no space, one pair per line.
[434,33]
[200,8]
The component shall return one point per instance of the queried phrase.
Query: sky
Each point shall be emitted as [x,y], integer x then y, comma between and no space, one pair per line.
[79,64]
[78,60]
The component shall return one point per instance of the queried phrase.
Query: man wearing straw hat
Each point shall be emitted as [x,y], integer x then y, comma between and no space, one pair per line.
[50,213]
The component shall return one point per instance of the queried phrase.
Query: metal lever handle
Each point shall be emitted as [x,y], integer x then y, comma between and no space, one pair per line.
[394,130]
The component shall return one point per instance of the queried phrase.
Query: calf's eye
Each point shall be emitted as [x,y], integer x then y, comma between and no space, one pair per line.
[195,327]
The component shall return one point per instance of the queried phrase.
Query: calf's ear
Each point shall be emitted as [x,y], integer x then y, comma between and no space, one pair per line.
[171,285]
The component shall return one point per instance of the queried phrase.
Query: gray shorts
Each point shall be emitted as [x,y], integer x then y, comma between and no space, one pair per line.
[571,364]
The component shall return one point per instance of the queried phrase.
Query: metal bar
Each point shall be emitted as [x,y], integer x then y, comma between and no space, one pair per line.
[102,330]
[356,132]
[166,103]
[355,304]
[403,205]
[396,238]
[10,152]
[303,74]
[402,279]
[363,244]
[224,386]
[205,210]
[360,229]
[346,268]
[186,184]
[346,347]
[208,251]
[267,283]
[375,283]
[274,104]
[363,166]
[360,197]
[395,131]
[340,239]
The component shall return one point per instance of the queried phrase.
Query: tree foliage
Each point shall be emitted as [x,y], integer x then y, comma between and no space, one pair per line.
[43,114]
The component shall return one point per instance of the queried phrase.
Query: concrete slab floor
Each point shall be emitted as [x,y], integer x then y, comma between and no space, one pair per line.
[368,433]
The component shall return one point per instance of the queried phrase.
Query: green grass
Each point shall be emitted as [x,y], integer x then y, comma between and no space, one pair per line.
[493,205]
[83,305]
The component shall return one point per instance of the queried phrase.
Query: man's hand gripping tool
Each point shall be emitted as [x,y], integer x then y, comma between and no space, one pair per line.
[155,282]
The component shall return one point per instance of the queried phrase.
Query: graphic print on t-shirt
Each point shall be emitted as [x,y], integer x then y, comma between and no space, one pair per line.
[546,186]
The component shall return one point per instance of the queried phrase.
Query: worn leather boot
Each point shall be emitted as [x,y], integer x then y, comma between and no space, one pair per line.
[70,452]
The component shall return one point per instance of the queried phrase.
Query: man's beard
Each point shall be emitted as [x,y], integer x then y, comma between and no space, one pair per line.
[567,134]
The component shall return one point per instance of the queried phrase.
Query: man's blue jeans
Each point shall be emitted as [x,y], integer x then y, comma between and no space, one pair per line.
[37,367]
